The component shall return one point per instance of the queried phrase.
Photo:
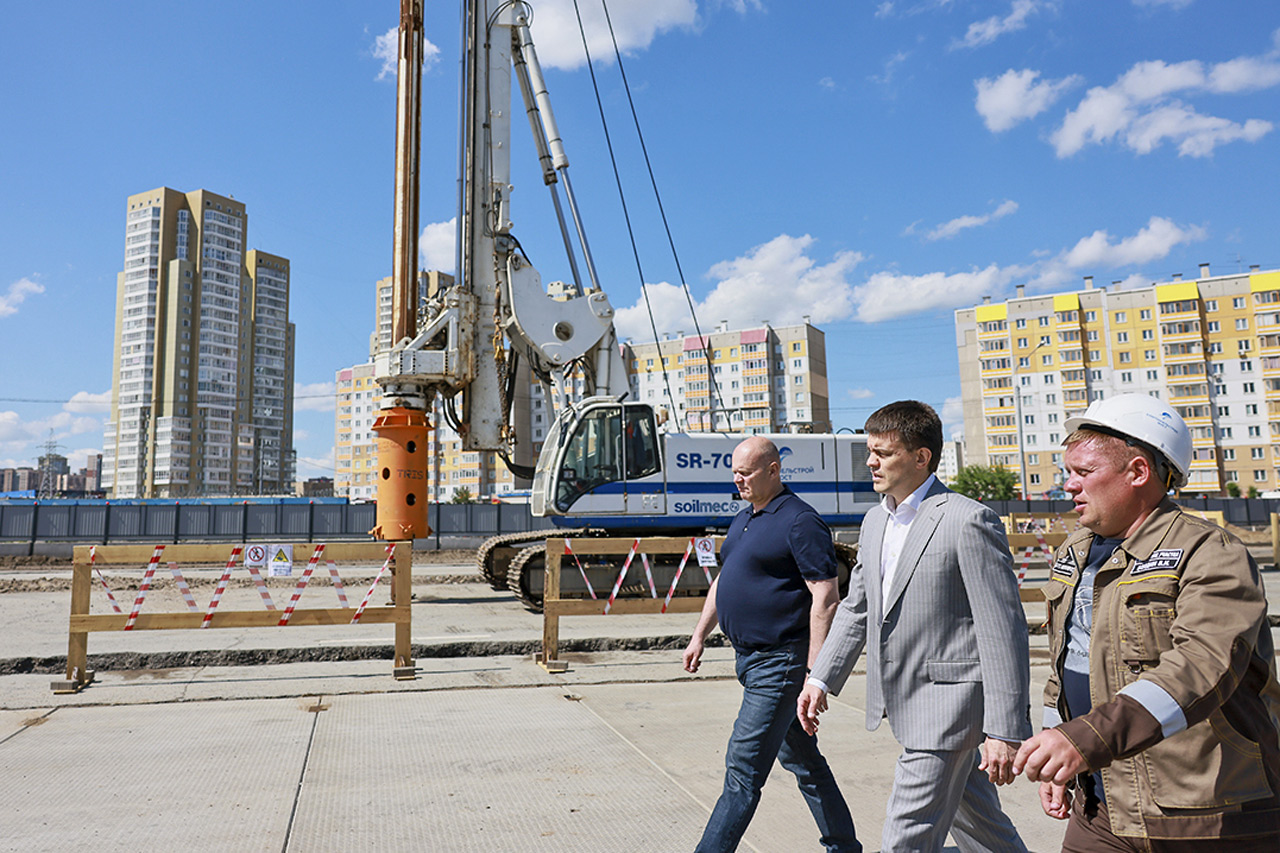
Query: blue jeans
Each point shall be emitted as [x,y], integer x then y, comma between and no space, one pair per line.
[767,728]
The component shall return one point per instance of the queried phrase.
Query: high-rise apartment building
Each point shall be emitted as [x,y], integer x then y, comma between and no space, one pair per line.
[202,382]
[1209,347]
[756,380]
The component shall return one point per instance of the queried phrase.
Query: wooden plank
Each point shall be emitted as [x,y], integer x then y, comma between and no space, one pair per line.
[175,620]
[622,545]
[623,606]
[217,553]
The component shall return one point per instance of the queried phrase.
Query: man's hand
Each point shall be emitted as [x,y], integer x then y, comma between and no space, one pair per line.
[1049,757]
[693,655]
[1055,800]
[997,760]
[812,702]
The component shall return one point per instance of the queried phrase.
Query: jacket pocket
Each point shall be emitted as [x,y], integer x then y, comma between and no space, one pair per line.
[1210,765]
[1146,618]
[953,671]
[1058,597]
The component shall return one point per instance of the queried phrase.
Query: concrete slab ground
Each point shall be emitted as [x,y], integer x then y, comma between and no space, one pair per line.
[623,752]
[482,752]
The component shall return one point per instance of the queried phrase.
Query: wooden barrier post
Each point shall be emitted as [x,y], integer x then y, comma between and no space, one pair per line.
[1275,540]
[553,606]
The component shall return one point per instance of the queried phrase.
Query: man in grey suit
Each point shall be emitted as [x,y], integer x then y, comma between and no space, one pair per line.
[934,600]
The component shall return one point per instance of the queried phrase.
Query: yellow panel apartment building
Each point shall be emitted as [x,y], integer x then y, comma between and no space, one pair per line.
[1209,347]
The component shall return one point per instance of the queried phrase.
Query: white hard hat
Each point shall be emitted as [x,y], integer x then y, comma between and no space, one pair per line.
[1148,421]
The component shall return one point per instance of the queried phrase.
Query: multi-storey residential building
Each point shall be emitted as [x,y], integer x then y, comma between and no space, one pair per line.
[1209,347]
[429,282]
[763,379]
[202,381]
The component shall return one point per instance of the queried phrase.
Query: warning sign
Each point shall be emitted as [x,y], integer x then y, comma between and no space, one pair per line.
[706,548]
[281,561]
[256,555]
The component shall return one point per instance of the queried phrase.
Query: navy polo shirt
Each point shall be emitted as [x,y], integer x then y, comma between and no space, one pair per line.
[761,598]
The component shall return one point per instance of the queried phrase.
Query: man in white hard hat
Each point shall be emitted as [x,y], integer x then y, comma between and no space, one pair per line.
[1162,713]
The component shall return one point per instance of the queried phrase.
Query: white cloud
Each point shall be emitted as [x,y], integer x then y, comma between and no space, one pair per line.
[313,397]
[559,43]
[1196,135]
[777,281]
[437,247]
[950,229]
[888,295]
[827,83]
[885,9]
[1016,96]
[86,402]
[952,414]
[1099,250]
[1152,242]
[386,47]
[1138,111]
[16,293]
[985,32]
[890,68]
[861,393]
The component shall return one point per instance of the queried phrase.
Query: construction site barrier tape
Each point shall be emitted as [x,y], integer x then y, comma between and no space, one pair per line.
[93,555]
[581,570]
[391,549]
[302,584]
[222,585]
[621,576]
[337,584]
[142,590]
[262,587]
[680,571]
[183,588]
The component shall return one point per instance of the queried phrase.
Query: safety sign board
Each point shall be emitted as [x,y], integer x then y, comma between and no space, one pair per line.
[281,561]
[706,548]
[256,555]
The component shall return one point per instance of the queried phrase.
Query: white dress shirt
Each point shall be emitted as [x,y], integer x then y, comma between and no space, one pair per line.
[895,534]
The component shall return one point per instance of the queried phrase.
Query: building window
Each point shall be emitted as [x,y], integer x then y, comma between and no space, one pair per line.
[1126,357]
[1237,302]
[1120,317]
[1148,334]
[1144,314]
[1034,479]
[1242,324]
[1224,411]
[1259,475]
[1229,453]
[1022,343]
[1122,337]
[1246,366]
[1044,321]
[1248,387]
[1258,453]
[1255,432]
[1046,360]
[1020,323]
[1251,409]
[1090,316]
[1024,362]
[1149,355]
[1214,326]
[1211,305]
[1127,376]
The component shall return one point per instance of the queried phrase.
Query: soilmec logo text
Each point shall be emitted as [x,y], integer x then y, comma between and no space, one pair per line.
[716,507]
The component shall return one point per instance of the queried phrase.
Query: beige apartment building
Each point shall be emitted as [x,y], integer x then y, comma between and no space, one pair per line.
[1209,347]
[757,380]
[202,378]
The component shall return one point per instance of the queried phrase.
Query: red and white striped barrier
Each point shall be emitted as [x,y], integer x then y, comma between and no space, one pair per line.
[262,587]
[93,555]
[391,550]
[302,584]
[182,587]
[222,585]
[569,551]
[142,590]
[1026,561]
[680,571]
[337,584]
[644,558]
[621,576]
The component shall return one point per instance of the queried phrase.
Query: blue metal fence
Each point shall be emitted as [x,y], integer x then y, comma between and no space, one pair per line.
[102,522]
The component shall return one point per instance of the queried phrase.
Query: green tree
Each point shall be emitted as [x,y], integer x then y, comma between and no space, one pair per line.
[1233,490]
[983,482]
[1253,491]
[462,495]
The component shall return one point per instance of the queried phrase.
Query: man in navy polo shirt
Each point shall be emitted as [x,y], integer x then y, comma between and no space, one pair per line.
[774,599]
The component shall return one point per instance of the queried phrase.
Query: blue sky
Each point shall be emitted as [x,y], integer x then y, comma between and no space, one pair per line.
[871,165]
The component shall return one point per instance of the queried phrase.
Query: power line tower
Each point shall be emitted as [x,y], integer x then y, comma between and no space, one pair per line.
[47,475]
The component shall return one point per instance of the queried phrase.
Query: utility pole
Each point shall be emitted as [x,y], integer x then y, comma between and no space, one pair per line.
[46,469]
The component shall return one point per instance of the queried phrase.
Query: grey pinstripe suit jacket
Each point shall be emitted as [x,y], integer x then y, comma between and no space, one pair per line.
[947,657]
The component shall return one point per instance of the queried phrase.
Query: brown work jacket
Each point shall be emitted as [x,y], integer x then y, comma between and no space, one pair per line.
[1181,604]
